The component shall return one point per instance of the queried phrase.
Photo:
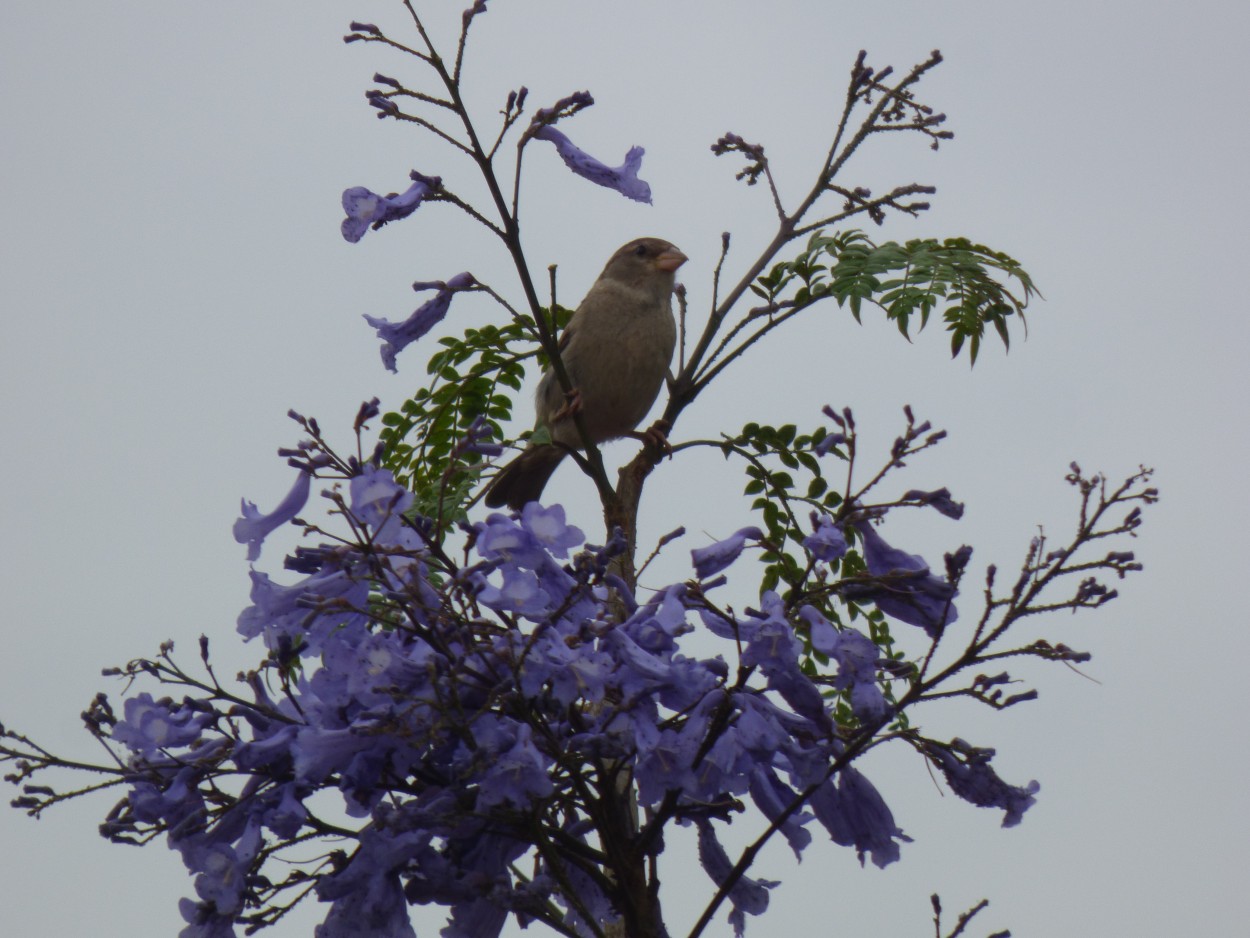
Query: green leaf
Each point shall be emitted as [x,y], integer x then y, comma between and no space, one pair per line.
[472,376]
[972,285]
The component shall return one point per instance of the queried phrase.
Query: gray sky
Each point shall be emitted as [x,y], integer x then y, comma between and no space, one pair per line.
[173,281]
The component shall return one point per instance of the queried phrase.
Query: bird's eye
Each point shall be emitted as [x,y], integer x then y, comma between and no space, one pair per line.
[640,250]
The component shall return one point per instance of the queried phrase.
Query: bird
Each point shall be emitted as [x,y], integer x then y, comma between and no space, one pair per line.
[616,351]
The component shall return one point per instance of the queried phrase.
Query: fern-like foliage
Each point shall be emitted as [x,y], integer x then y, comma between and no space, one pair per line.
[772,456]
[970,284]
[473,376]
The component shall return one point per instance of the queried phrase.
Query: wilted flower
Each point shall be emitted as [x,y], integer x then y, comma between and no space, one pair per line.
[974,780]
[939,499]
[366,209]
[624,178]
[399,335]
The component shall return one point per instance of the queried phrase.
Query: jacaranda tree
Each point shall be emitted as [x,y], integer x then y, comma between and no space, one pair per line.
[484,710]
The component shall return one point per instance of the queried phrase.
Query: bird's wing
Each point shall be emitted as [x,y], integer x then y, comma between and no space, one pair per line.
[568,336]
[549,397]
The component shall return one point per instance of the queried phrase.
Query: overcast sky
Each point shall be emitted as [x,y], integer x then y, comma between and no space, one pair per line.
[174,280]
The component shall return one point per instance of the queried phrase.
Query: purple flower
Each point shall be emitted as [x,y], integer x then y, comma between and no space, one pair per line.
[828,442]
[414,692]
[479,6]
[478,919]
[641,671]
[387,107]
[773,797]
[477,439]
[589,894]
[749,896]
[884,560]
[368,899]
[154,725]
[222,868]
[499,537]
[657,625]
[624,178]
[253,527]
[321,751]
[483,870]
[284,614]
[377,497]
[517,775]
[710,560]
[203,921]
[940,500]
[399,335]
[375,909]
[759,726]
[665,757]
[367,209]
[549,529]
[285,813]
[973,780]
[380,502]
[775,650]
[855,815]
[826,543]
[521,592]
[904,588]
[175,802]
[856,655]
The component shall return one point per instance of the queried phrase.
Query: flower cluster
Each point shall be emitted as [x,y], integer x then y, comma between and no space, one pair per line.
[472,713]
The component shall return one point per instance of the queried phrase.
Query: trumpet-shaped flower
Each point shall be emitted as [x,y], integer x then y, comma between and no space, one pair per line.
[624,178]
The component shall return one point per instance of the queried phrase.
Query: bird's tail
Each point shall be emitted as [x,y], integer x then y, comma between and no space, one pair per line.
[523,480]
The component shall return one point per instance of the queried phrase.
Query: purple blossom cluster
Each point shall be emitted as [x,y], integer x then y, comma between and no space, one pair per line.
[472,713]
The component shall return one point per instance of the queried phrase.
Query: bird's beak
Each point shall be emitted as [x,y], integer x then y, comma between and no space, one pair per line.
[670,259]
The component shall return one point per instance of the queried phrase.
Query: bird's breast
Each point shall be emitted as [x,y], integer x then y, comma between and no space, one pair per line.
[618,358]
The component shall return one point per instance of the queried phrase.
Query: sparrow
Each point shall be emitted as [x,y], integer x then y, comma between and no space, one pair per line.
[616,350]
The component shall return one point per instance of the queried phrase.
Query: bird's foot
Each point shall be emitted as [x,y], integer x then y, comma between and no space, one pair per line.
[655,437]
[572,405]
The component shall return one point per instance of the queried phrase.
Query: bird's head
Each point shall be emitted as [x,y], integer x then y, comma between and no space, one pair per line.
[645,263]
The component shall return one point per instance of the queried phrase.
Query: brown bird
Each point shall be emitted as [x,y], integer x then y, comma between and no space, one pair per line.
[616,350]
